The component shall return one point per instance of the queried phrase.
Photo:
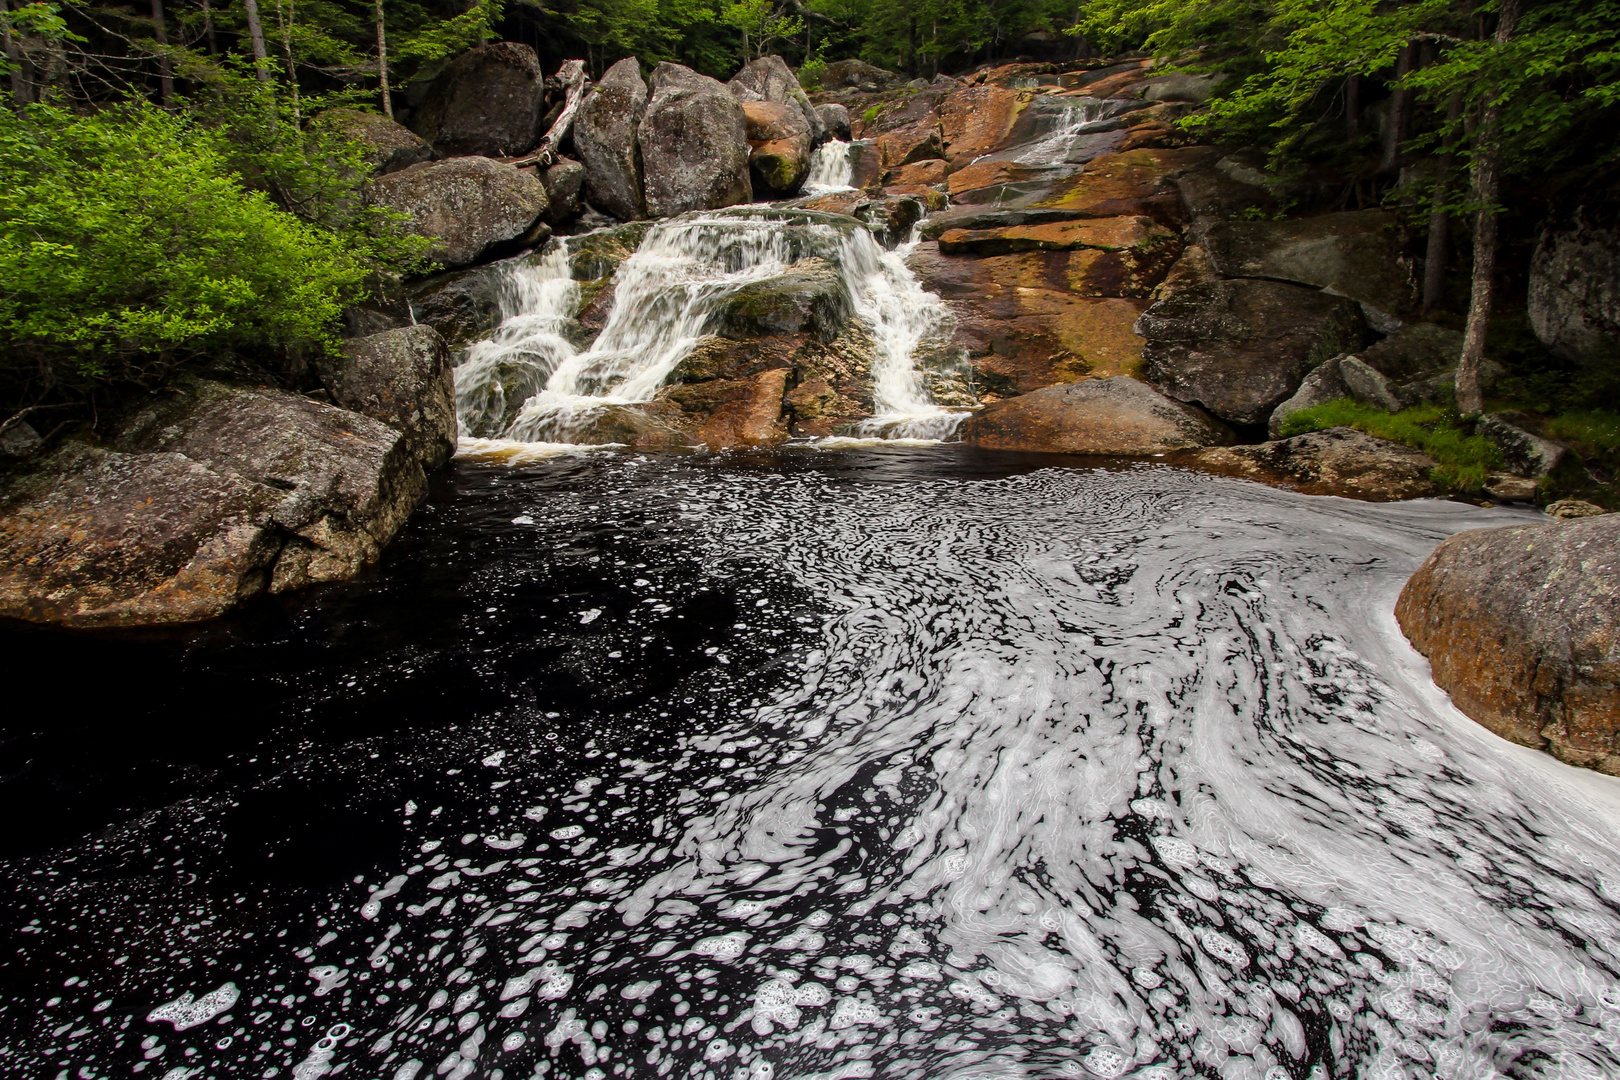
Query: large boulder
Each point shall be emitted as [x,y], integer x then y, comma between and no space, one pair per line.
[835,118]
[389,146]
[564,183]
[1322,385]
[605,136]
[1522,628]
[468,206]
[770,79]
[1357,254]
[694,145]
[1574,295]
[403,378]
[860,75]
[1240,348]
[1095,416]
[489,101]
[779,144]
[1337,461]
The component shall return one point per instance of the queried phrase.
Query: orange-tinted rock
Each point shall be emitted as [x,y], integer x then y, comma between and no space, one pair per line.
[1095,416]
[918,142]
[1522,628]
[1133,182]
[1108,234]
[736,412]
[1338,461]
[779,142]
[930,197]
[931,171]
[977,120]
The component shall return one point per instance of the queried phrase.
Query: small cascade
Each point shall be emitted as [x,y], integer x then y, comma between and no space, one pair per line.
[1078,117]
[529,382]
[831,169]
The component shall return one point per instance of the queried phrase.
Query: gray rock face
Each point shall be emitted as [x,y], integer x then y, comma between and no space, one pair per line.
[1574,295]
[1355,254]
[563,182]
[1526,454]
[694,145]
[1522,628]
[467,205]
[401,377]
[1368,385]
[605,134]
[1321,386]
[1094,416]
[1337,461]
[1415,351]
[859,74]
[1183,86]
[1240,348]
[390,147]
[770,79]
[489,101]
[210,496]
[835,118]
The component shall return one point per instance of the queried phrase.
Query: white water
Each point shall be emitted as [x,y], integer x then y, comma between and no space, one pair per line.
[1080,117]
[830,169]
[667,297]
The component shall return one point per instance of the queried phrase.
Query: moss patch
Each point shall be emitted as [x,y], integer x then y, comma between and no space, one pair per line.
[1462,459]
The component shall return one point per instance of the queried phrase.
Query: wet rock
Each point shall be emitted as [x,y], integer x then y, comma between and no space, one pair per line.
[1095,416]
[979,120]
[1137,234]
[1522,628]
[95,537]
[1504,487]
[349,481]
[866,168]
[931,171]
[779,144]
[469,206]
[1130,184]
[694,147]
[1526,454]
[1240,348]
[835,119]
[564,182]
[489,101]
[1574,294]
[892,215]
[1321,386]
[1368,385]
[1356,254]
[916,142]
[401,377]
[1336,461]
[462,305]
[770,79]
[808,297]
[605,134]
[389,147]
[648,427]
[736,412]
[860,75]
[1569,509]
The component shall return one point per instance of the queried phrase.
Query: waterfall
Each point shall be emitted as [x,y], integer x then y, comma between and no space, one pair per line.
[1078,117]
[528,382]
[830,169]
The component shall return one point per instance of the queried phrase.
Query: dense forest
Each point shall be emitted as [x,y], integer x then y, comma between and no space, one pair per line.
[166,189]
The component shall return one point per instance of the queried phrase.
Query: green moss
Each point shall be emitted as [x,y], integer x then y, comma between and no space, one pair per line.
[871,115]
[1462,459]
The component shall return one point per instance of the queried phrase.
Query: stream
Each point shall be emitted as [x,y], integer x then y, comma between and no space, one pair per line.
[809,763]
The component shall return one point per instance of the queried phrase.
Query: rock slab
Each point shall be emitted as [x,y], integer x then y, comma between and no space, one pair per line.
[1522,628]
[468,206]
[1336,461]
[1094,416]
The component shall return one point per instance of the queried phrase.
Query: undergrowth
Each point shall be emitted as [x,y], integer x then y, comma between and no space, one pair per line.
[1462,459]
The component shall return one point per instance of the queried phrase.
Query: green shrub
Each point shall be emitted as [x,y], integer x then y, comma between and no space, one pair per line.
[1462,459]
[811,72]
[129,244]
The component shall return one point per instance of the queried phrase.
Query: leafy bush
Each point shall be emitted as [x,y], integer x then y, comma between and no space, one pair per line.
[811,72]
[129,244]
[1462,459]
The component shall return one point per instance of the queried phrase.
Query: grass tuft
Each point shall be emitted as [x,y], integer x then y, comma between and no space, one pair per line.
[1462,459]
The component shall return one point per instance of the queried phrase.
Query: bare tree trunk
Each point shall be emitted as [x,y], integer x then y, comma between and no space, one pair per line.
[284,19]
[208,28]
[1487,188]
[1434,261]
[261,57]
[21,91]
[160,33]
[1400,105]
[1352,107]
[382,64]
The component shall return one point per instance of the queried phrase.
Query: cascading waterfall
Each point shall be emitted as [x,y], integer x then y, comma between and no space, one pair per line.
[668,295]
[830,169]
[1078,118]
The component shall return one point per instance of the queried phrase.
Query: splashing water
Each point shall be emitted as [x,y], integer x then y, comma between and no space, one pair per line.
[667,297]
[1063,774]
[831,169]
[1078,118]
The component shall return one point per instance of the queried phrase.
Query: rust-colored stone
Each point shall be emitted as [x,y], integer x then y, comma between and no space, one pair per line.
[978,120]
[1107,234]
[931,171]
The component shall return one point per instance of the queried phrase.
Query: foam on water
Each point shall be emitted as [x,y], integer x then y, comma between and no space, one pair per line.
[830,169]
[1068,774]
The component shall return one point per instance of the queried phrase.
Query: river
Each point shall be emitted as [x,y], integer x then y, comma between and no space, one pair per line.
[807,763]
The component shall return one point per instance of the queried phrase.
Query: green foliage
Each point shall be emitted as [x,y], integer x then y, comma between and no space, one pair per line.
[128,244]
[811,72]
[1462,459]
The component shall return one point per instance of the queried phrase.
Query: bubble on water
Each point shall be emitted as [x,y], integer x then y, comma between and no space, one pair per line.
[723,947]
[187,1011]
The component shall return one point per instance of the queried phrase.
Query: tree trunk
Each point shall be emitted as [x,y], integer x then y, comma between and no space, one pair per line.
[1487,188]
[1434,261]
[1352,107]
[261,57]
[208,28]
[160,33]
[284,19]
[382,64]
[21,91]
[1400,105]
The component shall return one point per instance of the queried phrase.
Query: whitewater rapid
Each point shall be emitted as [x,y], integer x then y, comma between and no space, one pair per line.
[1059,774]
